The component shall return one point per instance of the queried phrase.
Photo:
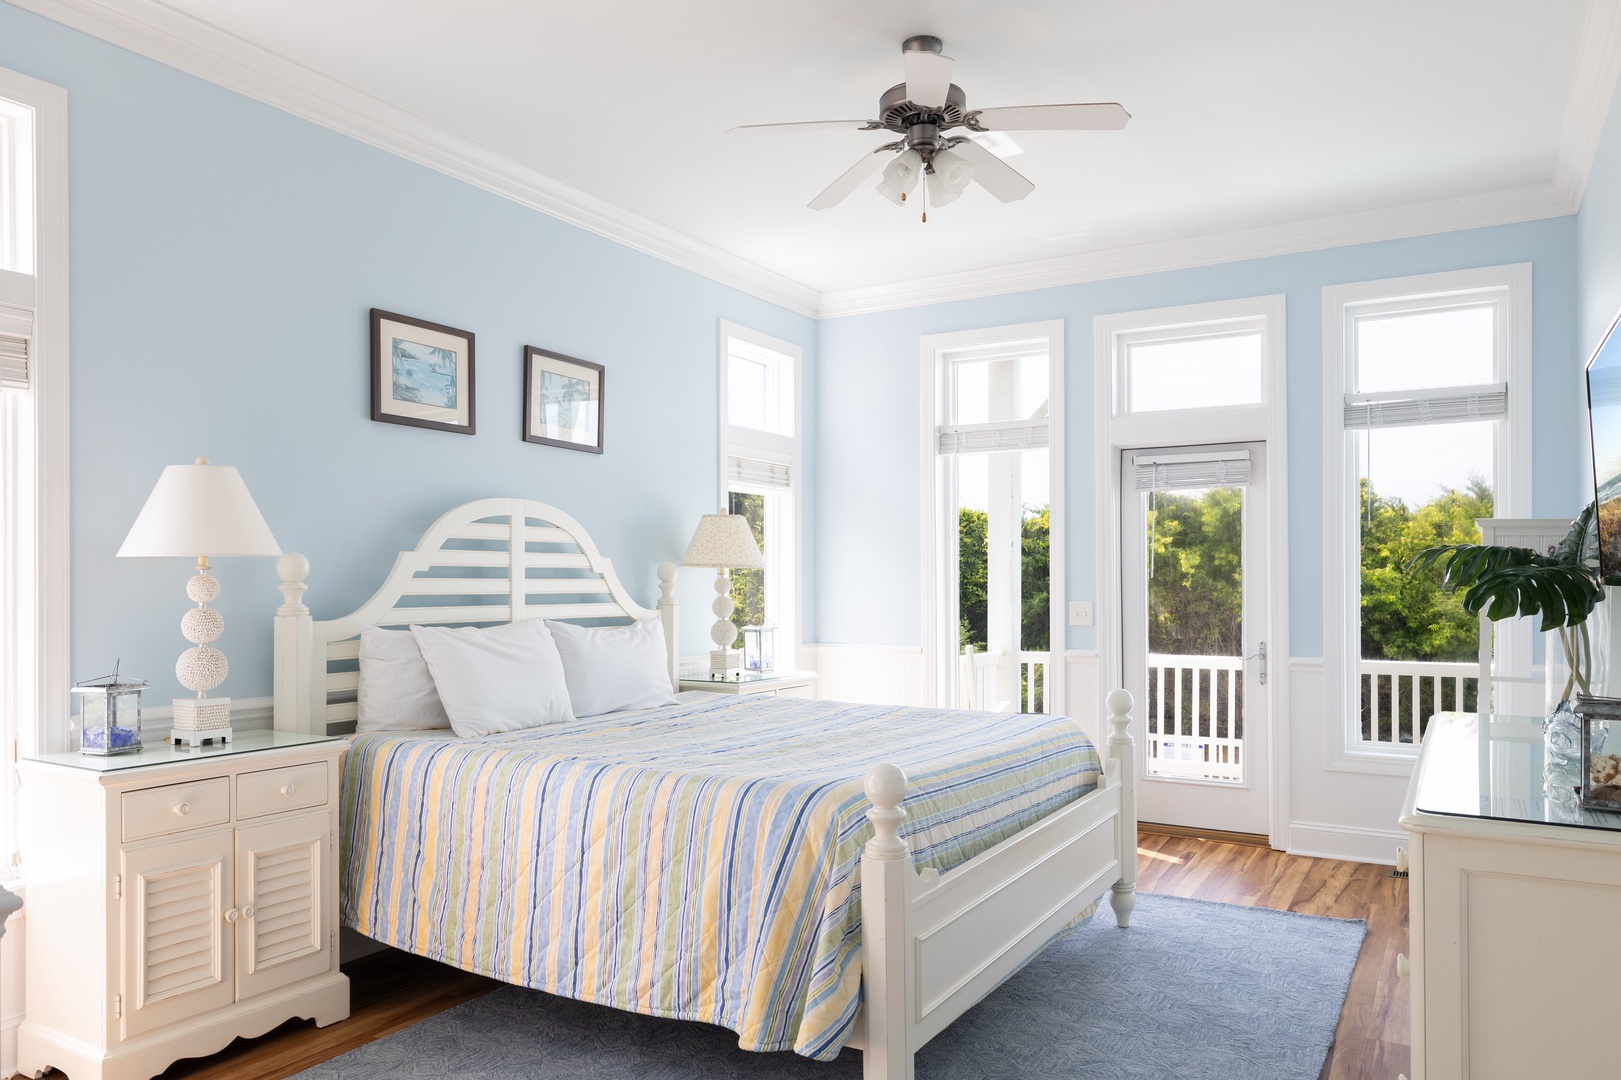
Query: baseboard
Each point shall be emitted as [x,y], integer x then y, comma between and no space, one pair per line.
[1324,841]
[1218,836]
[13,994]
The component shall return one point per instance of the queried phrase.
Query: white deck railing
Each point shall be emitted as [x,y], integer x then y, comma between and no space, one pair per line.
[1398,697]
[1195,716]
[978,678]
[1033,695]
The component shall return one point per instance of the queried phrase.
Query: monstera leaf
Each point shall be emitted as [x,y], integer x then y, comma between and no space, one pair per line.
[1506,581]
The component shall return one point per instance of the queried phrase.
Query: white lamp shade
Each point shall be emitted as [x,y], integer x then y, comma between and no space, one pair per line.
[948,178]
[723,541]
[199,510]
[900,176]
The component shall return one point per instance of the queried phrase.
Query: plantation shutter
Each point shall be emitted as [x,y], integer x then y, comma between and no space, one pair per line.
[759,460]
[986,438]
[1445,405]
[1169,472]
[16,329]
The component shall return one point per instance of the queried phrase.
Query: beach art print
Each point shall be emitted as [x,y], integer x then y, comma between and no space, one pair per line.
[421,373]
[562,401]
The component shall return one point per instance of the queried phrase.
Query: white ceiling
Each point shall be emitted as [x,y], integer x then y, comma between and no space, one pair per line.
[1245,113]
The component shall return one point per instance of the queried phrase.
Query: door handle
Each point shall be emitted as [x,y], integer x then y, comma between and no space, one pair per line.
[1260,655]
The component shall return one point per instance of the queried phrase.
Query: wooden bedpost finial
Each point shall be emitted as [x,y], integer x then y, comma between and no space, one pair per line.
[886,787]
[1120,703]
[292,568]
[667,573]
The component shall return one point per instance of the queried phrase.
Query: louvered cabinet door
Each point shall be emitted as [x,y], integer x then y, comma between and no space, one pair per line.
[282,936]
[177,954]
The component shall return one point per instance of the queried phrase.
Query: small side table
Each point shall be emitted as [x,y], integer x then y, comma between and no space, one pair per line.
[777,684]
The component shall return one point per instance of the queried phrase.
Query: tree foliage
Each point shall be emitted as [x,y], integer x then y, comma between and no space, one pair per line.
[973,528]
[748,586]
[1407,614]
[1195,593]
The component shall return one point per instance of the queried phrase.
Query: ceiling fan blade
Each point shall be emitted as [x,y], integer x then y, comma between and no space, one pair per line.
[853,178]
[808,125]
[928,77]
[995,175]
[1096,116]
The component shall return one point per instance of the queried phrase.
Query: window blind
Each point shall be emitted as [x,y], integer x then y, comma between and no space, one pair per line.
[1168,472]
[759,460]
[16,325]
[985,438]
[1444,405]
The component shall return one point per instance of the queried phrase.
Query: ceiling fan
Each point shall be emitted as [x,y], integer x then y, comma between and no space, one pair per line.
[921,110]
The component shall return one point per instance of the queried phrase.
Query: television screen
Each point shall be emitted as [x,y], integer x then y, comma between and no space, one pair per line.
[1604,411]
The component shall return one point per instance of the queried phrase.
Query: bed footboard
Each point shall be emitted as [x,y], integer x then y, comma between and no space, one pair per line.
[934,944]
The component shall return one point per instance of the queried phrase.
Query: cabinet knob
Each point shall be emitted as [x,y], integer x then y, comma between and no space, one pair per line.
[1404,966]
[231,914]
[183,808]
[247,911]
[288,790]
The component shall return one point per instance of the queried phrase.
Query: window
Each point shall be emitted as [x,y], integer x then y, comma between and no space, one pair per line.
[759,411]
[1192,368]
[1429,393]
[992,518]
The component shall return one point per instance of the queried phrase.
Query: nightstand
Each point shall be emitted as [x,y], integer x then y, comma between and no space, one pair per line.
[178,899]
[777,684]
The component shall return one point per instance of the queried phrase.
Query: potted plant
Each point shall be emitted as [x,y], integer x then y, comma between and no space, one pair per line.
[1562,586]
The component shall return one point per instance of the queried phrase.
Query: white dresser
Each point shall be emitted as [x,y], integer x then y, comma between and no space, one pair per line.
[1515,903]
[178,899]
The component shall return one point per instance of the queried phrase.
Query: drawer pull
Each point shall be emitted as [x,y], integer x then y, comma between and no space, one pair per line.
[247,912]
[288,790]
[1404,966]
[231,914]
[182,808]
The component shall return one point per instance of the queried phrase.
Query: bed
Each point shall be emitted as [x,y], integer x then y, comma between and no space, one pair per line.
[862,874]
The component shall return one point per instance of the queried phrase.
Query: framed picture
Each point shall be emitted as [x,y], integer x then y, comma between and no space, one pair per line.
[421,373]
[562,401]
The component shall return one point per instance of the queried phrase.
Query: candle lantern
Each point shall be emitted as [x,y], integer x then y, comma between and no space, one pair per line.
[109,714]
[1601,752]
[760,649]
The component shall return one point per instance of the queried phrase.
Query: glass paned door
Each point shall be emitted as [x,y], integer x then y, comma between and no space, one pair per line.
[1193,591]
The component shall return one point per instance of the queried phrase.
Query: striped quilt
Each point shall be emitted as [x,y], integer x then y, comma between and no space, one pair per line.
[697,861]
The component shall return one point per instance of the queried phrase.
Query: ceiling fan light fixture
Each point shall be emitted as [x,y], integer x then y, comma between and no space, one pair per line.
[948,177]
[901,176]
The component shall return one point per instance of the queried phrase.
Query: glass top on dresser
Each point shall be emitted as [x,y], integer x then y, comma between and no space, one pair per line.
[163,753]
[1504,774]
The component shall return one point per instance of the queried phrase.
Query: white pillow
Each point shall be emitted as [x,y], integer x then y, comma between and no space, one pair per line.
[501,679]
[396,688]
[609,668]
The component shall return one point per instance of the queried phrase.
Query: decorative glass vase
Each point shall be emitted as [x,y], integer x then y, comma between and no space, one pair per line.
[1562,736]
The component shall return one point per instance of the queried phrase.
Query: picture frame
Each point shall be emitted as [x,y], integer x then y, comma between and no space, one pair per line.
[562,400]
[422,373]
[1600,719]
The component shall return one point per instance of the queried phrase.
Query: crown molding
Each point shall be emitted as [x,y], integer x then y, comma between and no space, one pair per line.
[159,32]
[171,37]
[1592,88]
[1340,230]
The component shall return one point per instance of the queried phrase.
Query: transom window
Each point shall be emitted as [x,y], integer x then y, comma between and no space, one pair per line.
[1201,367]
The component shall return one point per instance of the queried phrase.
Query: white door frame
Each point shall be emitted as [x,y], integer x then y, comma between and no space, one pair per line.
[1266,423]
[1173,800]
[937,559]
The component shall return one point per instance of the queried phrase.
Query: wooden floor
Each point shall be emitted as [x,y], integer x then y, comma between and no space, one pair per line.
[393,990]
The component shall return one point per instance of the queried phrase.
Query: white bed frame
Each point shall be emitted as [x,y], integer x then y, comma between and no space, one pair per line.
[933,944]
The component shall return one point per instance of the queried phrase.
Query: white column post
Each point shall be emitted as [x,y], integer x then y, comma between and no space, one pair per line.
[1004,542]
[291,706]
[1124,896]
[886,870]
[668,614]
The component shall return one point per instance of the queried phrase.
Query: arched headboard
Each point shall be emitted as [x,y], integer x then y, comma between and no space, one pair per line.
[485,562]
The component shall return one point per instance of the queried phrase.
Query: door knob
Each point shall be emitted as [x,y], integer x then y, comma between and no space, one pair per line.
[231,914]
[247,911]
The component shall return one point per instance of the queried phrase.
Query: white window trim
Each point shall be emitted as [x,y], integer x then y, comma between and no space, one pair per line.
[1344,750]
[936,350]
[1267,422]
[47,730]
[789,611]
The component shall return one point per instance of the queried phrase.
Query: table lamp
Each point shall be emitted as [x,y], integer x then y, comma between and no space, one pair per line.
[723,541]
[197,511]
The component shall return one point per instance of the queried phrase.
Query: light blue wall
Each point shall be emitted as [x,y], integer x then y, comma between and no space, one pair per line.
[223,259]
[868,466]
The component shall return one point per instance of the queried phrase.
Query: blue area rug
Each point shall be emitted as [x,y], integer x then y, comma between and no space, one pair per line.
[1193,989]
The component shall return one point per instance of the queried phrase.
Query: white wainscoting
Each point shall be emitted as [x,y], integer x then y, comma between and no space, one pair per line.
[13,997]
[874,674]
